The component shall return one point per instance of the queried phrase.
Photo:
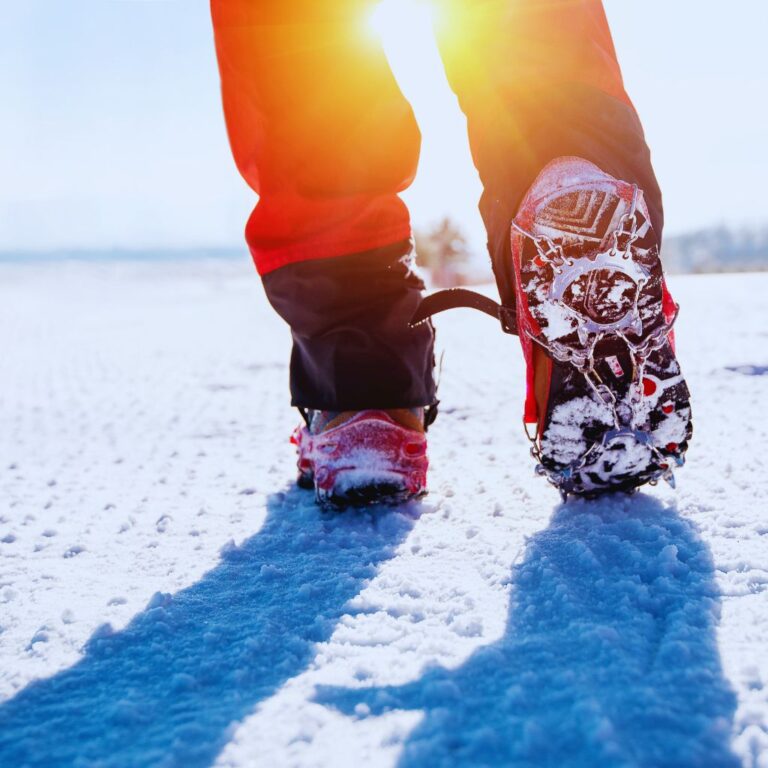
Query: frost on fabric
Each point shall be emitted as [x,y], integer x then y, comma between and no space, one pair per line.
[371,462]
[610,641]
[357,478]
[616,296]
[672,429]
[557,321]
[564,437]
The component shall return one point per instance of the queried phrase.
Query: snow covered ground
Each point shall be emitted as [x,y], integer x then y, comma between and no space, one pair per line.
[170,598]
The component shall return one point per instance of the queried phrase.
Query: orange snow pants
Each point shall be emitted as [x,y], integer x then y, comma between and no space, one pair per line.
[320,130]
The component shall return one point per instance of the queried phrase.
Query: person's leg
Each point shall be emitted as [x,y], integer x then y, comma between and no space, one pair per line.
[319,128]
[352,344]
[574,219]
[538,80]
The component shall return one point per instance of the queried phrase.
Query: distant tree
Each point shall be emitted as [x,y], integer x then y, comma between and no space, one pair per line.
[719,249]
[444,251]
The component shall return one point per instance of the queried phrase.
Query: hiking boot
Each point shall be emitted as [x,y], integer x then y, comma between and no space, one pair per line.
[607,407]
[359,458]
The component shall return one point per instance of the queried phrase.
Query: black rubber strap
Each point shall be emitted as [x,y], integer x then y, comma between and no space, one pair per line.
[453,298]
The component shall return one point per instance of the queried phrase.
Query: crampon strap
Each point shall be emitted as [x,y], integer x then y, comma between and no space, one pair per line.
[453,298]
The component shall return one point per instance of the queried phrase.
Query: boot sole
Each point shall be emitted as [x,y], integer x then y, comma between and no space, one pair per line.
[364,462]
[632,427]
[353,491]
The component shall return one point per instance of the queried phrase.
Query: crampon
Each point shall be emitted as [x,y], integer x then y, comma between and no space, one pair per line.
[607,407]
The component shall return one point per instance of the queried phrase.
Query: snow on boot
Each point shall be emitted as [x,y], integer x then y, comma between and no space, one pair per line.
[607,407]
[358,458]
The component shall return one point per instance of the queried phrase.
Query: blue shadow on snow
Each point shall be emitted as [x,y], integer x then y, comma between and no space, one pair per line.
[748,370]
[166,689]
[609,657]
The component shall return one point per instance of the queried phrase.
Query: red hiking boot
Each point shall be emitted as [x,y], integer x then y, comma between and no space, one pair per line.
[607,407]
[358,458]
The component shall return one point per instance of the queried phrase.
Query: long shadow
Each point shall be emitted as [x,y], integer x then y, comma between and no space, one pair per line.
[165,691]
[609,656]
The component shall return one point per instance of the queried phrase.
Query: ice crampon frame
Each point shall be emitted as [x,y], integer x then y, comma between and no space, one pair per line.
[617,414]
[620,274]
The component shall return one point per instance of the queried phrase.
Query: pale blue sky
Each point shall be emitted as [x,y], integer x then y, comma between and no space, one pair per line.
[111,131]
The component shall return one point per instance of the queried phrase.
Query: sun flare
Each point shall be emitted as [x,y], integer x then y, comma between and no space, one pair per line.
[406,31]
[392,18]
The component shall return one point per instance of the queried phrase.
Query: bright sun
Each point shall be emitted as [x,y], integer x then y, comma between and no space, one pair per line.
[391,19]
[406,31]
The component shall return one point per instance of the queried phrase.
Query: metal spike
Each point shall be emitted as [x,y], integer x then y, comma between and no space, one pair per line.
[669,477]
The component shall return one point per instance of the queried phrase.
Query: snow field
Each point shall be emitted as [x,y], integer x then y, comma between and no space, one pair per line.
[179,602]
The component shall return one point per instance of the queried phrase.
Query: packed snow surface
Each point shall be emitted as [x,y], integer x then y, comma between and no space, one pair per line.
[170,598]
